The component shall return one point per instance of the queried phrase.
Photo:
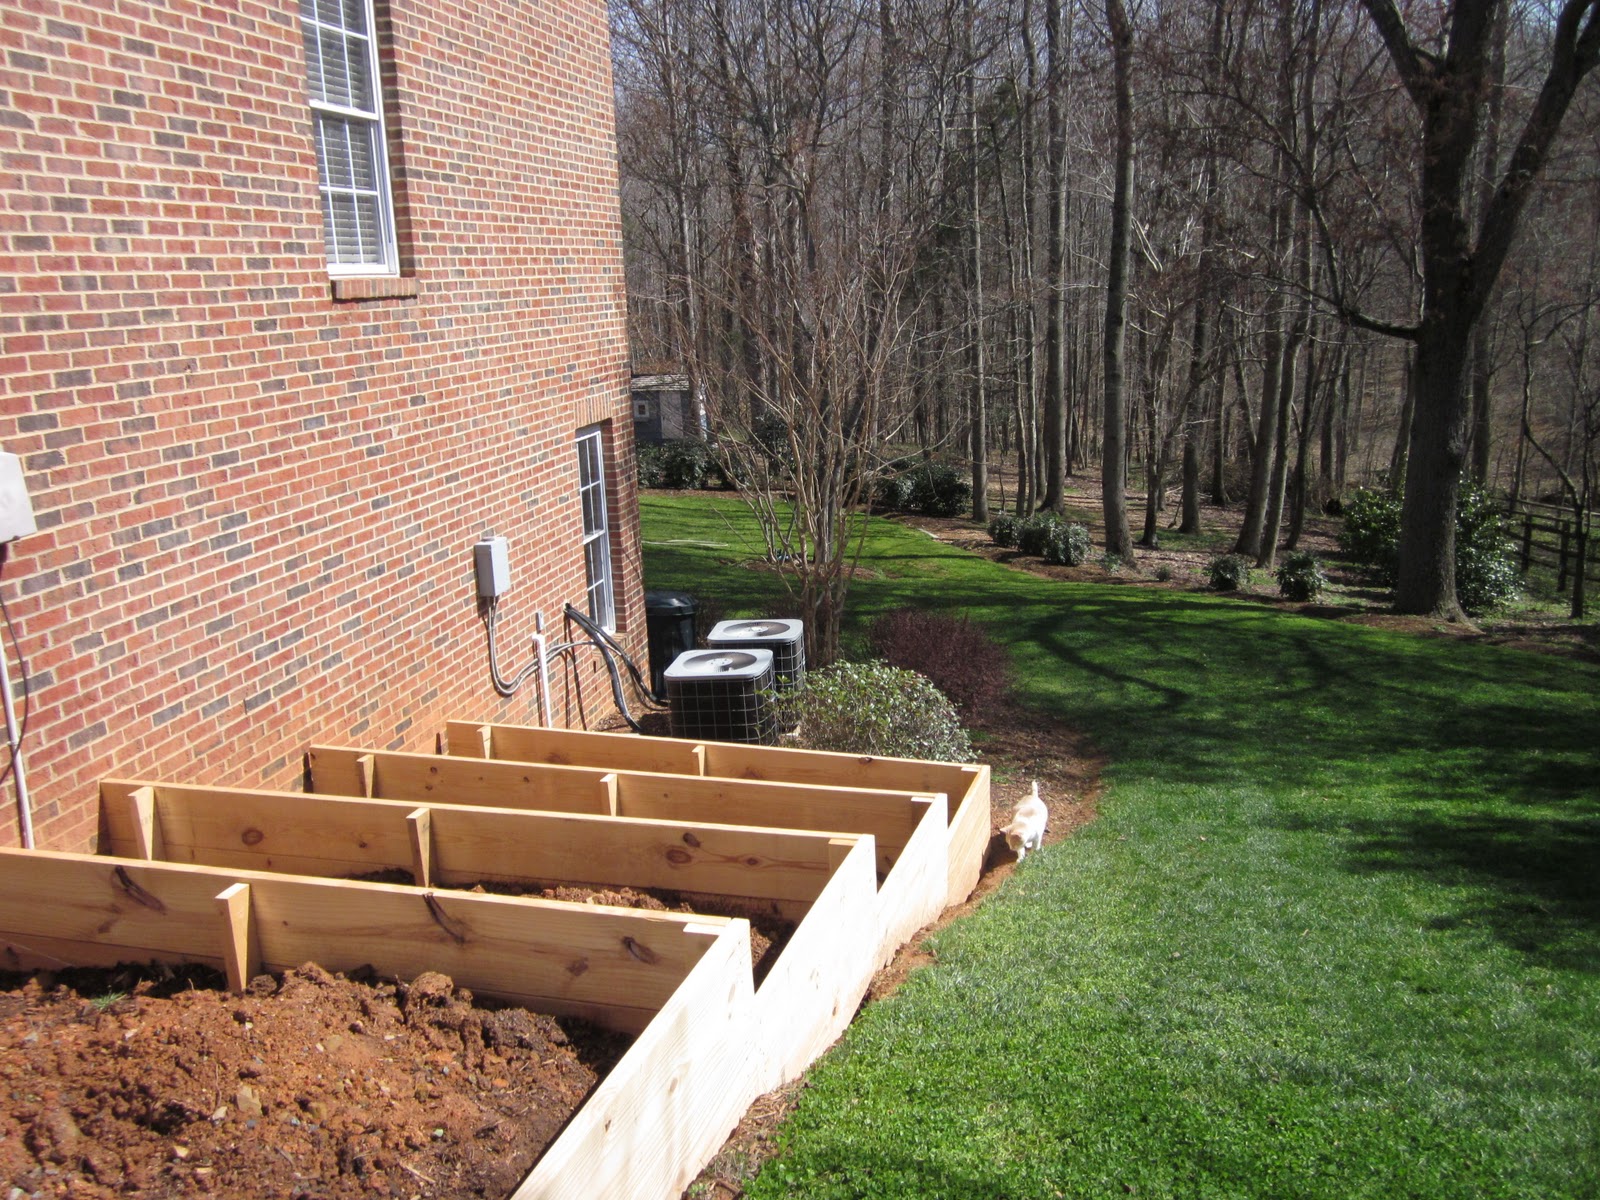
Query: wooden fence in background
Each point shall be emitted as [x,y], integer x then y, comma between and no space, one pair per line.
[1547,537]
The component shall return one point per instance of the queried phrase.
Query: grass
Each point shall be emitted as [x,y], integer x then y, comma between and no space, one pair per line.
[1335,933]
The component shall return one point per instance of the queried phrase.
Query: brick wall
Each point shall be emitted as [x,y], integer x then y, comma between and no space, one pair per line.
[257,501]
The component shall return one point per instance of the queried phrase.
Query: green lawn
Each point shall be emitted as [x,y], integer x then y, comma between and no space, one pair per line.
[1335,933]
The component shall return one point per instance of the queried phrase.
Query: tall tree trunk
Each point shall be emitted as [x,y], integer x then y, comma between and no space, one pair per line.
[1113,467]
[1459,271]
[1482,363]
[1408,409]
[1055,370]
[978,436]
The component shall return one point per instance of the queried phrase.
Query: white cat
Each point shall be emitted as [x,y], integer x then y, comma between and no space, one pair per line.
[1026,831]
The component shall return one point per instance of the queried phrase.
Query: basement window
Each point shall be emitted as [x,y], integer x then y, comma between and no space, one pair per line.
[345,95]
[596,526]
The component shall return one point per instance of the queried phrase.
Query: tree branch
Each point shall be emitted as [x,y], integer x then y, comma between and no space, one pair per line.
[1416,67]
[1574,53]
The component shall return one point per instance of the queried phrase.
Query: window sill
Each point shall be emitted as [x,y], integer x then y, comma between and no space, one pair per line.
[376,287]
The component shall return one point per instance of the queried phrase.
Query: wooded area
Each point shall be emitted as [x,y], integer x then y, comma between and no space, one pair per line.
[1263,252]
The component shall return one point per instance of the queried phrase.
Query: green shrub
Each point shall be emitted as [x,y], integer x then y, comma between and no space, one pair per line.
[893,492]
[647,458]
[873,708]
[1228,572]
[1033,533]
[1371,531]
[1486,571]
[679,464]
[1486,560]
[1300,576]
[1003,530]
[938,490]
[1065,545]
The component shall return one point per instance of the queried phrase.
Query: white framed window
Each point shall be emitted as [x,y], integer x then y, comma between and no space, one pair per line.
[596,526]
[346,98]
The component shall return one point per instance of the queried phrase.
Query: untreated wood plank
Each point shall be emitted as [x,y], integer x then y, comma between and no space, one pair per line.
[812,992]
[613,966]
[241,954]
[140,808]
[428,778]
[668,1106]
[966,786]
[419,823]
[436,779]
[316,835]
[572,747]
[671,756]
[971,826]
[890,817]
[914,893]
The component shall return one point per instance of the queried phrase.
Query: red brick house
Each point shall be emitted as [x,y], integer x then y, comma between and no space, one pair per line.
[297,301]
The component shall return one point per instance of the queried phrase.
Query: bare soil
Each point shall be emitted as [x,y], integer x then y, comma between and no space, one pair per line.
[150,1083]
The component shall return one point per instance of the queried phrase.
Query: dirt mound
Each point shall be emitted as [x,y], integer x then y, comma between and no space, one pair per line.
[149,1083]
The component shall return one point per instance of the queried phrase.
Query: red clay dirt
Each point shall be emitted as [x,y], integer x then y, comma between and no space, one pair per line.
[146,1082]
[153,1084]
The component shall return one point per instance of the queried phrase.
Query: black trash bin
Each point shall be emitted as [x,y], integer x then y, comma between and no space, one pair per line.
[669,625]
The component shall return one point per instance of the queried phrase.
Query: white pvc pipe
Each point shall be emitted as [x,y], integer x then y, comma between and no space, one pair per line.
[544,679]
[24,808]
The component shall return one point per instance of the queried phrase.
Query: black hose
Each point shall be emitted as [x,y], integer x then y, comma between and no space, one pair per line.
[602,640]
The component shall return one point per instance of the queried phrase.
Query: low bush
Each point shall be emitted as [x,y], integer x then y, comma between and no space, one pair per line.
[1300,576]
[1066,545]
[1486,560]
[873,708]
[647,460]
[679,464]
[1034,533]
[1228,572]
[1371,531]
[892,492]
[958,657]
[938,490]
[1486,569]
[1003,530]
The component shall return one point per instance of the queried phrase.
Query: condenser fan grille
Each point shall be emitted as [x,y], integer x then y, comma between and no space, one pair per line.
[722,695]
[784,637]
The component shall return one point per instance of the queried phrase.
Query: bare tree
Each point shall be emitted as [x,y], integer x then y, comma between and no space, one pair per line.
[1113,465]
[1461,264]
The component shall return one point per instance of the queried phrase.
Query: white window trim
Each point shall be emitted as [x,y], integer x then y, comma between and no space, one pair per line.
[388,243]
[601,538]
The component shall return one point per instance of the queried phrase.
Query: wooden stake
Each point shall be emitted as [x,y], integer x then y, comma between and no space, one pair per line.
[142,808]
[608,792]
[240,954]
[419,823]
[369,774]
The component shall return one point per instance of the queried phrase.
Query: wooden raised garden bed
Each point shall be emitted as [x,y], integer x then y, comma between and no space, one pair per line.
[859,853]
[965,786]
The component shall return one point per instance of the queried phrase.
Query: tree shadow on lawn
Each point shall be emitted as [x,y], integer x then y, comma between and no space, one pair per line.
[1318,707]
[1532,881]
